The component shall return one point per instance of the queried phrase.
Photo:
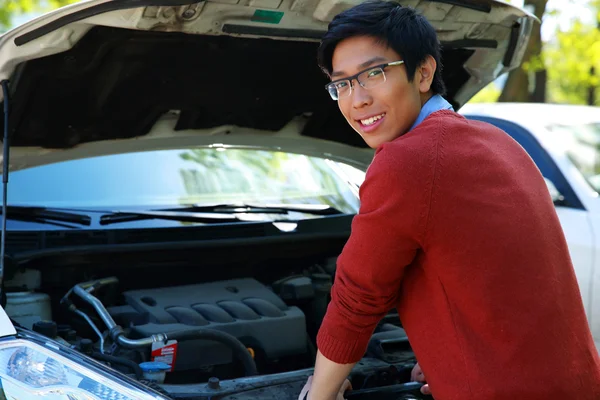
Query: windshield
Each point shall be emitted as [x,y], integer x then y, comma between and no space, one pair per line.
[151,179]
[582,144]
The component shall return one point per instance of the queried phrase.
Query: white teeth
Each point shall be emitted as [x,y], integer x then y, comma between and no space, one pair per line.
[370,121]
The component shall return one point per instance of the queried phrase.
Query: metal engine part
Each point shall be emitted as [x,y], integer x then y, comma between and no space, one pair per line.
[244,308]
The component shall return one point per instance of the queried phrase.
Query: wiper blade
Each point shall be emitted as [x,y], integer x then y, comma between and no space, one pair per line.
[315,209]
[46,215]
[130,216]
[215,213]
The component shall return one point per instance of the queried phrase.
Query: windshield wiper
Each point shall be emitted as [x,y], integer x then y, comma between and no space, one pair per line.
[46,215]
[215,213]
[314,209]
[183,216]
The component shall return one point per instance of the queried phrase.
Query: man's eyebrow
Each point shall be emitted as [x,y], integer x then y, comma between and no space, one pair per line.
[363,65]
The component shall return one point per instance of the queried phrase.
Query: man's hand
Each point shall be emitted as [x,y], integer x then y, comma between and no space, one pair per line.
[417,376]
[340,396]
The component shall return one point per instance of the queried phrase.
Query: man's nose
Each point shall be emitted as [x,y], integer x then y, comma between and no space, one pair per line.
[360,96]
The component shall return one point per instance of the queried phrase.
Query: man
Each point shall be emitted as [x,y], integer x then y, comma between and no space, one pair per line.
[456,230]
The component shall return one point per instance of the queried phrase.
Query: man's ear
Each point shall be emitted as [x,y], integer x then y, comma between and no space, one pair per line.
[426,72]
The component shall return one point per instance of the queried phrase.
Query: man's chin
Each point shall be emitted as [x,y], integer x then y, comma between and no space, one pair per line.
[375,141]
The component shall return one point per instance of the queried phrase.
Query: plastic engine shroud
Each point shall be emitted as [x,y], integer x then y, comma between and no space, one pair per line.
[243,308]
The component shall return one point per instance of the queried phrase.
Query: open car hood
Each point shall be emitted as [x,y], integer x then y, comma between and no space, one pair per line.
[101,77]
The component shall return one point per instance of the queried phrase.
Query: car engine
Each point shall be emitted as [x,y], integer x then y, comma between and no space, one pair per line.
[240,338]
[243,308]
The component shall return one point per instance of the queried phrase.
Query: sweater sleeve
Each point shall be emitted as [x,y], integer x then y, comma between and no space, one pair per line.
[386,234]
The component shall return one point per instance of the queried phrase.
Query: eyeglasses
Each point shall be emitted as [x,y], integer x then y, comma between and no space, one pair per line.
[368,78]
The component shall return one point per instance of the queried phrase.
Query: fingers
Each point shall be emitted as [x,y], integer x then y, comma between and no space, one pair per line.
[417,374]
[346,386]
[305,389]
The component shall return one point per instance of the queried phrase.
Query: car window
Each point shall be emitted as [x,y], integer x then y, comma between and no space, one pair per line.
[582,144]
[187,176]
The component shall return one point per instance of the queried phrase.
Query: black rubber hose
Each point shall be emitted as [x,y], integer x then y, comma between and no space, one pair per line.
[137,370]
[155,386]
[239,350]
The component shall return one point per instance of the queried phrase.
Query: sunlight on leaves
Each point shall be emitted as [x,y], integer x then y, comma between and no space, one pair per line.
[488,94]
[570,60]
[10,9]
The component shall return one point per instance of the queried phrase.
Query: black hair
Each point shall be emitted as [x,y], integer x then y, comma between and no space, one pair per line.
[403,29]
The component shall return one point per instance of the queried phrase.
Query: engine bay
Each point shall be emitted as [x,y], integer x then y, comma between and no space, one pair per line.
[252,336]
[243,308]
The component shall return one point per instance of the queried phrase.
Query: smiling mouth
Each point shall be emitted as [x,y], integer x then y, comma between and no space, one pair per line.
[372,120]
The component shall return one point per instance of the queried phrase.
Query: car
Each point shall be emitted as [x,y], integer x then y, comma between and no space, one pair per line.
[179,185]
[563,140]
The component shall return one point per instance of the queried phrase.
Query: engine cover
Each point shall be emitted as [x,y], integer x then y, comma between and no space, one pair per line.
[243,308]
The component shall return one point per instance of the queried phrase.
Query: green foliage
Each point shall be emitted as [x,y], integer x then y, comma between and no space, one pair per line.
[535,63]
[569,61]
[488,94]
[9,9]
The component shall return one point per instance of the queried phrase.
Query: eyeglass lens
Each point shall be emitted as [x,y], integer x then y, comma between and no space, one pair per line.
[367,79]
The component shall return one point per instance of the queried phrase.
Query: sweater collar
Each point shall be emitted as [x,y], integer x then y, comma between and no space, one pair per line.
[435,103]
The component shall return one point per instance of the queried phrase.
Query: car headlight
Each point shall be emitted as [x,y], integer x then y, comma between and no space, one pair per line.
[30,371]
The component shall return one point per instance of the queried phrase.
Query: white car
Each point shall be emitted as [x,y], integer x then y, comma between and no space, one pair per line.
[180,184]
[564,142]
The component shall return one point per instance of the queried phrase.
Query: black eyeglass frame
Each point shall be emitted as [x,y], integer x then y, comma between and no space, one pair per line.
[355,76]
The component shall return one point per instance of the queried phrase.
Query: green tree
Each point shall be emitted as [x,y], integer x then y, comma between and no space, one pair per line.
[488,94]
[573,65]
[532,72]
[564,69]
[573,59]
[9,9]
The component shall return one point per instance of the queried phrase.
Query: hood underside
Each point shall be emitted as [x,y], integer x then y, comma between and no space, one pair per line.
[80,75]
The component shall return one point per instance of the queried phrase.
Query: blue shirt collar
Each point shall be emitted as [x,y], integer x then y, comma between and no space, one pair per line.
[435,103]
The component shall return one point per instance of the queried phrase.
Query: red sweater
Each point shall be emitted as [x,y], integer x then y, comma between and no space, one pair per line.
[457,231]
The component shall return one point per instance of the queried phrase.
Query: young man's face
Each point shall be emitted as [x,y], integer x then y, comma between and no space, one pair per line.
[387,110]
